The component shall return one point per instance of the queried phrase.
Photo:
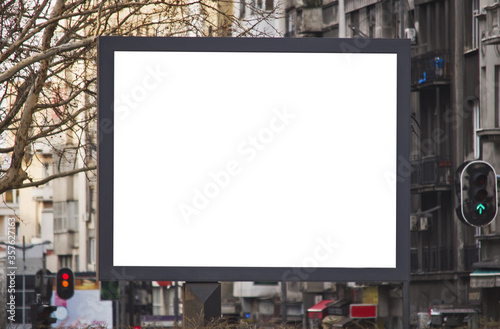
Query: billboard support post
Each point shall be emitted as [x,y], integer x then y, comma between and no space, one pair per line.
[283,302]
[406,304]
[219,169]
[202,303]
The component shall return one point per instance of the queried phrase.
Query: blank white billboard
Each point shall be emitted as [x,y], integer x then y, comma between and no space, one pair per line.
[240,159]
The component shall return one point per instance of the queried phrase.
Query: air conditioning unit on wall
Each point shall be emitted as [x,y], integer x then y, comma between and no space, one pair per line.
[424,223]
[411,33]
[413,222]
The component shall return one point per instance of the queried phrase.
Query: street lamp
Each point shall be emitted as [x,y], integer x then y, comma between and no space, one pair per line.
[24,247]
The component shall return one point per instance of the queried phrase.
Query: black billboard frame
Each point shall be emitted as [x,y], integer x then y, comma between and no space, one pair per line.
[106,48]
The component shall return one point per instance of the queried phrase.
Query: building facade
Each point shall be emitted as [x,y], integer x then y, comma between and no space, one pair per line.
[486,132]
[454,118]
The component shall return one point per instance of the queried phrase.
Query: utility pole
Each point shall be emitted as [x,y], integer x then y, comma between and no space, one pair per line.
[402,18]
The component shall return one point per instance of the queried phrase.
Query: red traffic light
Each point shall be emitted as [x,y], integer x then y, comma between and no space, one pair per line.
[65,283]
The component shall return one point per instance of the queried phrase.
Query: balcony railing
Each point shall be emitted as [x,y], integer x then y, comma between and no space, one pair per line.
[436,259]
[43,193]
[352,5]
[446,262]
[414,260]
[431,68]
[441,259]
[430,171]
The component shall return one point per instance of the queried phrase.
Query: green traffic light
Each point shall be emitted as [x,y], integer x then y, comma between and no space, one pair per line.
[480,207]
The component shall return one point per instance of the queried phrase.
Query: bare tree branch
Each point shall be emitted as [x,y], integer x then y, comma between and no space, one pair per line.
[59,175]
[48,71]
[45,55]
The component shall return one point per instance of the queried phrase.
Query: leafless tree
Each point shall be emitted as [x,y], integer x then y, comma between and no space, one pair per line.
[48,75]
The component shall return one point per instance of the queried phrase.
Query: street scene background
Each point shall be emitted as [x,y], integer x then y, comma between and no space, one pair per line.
[48,153]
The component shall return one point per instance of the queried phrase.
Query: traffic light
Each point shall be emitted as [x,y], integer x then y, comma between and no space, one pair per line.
[43,285]
[476,191]
[65,283]
[41,315]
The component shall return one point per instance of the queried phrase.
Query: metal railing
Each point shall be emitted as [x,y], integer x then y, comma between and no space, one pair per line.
[430,170]
[430,68]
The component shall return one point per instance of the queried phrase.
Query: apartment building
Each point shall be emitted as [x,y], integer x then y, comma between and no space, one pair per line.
[485,130]
[454,112]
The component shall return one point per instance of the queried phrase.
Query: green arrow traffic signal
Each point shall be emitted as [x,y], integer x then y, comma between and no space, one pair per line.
[476,193]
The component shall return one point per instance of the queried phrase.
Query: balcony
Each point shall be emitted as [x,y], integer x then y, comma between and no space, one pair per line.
[431,174]
[491,35]
[64,243]
[43,194]
[352,5]
[436,259]
[309,20]
[430,69]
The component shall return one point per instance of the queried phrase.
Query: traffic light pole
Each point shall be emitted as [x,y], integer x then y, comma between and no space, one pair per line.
[23,248]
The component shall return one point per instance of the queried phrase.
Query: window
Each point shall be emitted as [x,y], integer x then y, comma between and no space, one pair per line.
[242,8]
[11,196]
[60,223]
[475,24]
[422,25]
[290,24]
[269,4]
[77,263]
[371,21]
[65,216]
[354,23]
[3,227]
[65,261]
[92,251]
[46,170]
[471,25]
[8,197]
